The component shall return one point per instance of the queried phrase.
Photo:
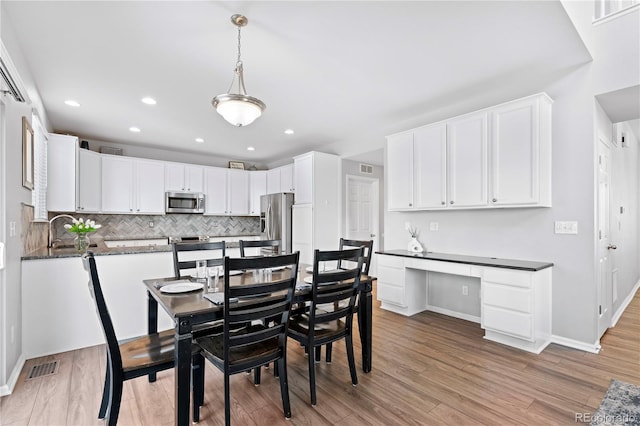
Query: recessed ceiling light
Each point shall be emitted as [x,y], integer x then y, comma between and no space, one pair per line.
[149,101]
[199,140]
[134,129]
[72,103]
[289,132]
[250,148]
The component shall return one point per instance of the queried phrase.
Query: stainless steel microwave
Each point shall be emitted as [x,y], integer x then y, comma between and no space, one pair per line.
[184,202]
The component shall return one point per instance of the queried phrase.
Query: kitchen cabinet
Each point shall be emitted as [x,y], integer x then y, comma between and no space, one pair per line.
[316,224]
[257,188]
[89,181]
[273,181]
[467,160]
[184,178]
[521,152]
[132,185]
[280,179]
[62,168]
[496,157]
[227,191]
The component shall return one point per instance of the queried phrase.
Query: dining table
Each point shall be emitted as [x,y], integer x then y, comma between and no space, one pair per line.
[190,309]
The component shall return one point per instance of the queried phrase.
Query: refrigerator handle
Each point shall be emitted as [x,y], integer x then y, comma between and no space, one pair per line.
[268,222]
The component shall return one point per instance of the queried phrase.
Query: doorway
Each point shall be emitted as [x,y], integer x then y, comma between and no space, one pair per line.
[362,212]
[604,246]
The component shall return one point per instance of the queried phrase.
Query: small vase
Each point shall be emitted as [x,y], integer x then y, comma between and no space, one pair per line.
[414,246]
[81,242]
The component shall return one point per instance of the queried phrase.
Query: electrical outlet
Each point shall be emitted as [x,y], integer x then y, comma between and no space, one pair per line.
[12,229]
[465,290]
[407,225]
[151,224]
[433,226]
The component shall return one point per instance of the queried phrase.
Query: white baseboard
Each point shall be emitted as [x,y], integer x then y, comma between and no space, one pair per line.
[454,314]
[624,305]
[576,344]
[13,379]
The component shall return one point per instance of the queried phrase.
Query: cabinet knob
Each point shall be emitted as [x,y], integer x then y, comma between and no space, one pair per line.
[494,200]
[443,203]
[138,210]
[451,202]
[410,204]
[130,210]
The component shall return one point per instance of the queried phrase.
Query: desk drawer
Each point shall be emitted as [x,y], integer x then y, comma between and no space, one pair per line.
[508,276]
[390,275]
[391,293]
[503,296]
[509,322]
[390,261]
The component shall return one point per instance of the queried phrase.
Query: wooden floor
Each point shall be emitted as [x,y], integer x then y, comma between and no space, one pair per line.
[427,369]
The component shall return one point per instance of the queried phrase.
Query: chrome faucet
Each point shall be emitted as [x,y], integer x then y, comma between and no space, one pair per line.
[50,242]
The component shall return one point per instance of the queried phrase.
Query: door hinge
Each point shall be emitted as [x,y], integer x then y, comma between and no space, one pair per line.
[599,234]
[599,309]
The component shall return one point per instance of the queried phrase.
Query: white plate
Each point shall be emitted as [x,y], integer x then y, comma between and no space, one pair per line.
[181,287]
[309,269]
[279,268]
[308,280]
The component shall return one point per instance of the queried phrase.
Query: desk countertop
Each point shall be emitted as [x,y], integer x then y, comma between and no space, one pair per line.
[523,265]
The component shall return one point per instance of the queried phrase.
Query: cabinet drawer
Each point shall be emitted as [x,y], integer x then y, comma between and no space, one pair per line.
[503,296]
[390,261]
[508,322]
[390,275]
[508,276]
[391,293]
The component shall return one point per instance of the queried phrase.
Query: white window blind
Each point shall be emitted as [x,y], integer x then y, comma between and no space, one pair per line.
[39,193]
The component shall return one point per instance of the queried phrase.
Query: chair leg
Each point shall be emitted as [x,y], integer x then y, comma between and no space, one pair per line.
[105,393]
[318,352]
[352,362]
[197,373]
[115,399]
[329,347]
[276,371]
[256,376]
[312,379]
[227,401]
[284,387]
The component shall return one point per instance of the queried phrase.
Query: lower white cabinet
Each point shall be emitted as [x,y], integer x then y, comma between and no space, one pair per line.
[59,315]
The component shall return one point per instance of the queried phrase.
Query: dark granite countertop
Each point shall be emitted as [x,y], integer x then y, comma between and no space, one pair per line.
[102,250]
[523,265]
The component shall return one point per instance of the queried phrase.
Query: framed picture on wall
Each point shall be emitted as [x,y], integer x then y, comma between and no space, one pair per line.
[27,154]
[236,165]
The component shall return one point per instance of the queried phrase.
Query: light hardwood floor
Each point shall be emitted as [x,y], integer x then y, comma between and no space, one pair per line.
[427,369]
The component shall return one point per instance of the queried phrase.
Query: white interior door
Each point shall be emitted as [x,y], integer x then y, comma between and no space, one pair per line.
[605,245]
[3,308]
[362,212]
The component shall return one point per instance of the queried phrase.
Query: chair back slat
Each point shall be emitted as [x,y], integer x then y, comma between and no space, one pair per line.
[95,289]
[368,252]
[186,254]
[271,311]
[273,245]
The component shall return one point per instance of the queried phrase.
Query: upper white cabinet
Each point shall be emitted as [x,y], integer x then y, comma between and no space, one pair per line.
[89,181]
[467,160]
[184,177]
[62,160]
[280,179]
[132,185]
[303,177]
[521,152]
[227,191]
[273,181]
[497,157]
[257,188]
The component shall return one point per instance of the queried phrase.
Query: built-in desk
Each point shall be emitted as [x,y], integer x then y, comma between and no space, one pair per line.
[515,295]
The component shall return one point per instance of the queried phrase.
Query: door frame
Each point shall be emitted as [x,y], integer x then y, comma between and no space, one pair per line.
[376,211]
[3,227]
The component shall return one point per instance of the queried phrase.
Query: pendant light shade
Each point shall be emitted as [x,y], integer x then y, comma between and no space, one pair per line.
[239,109]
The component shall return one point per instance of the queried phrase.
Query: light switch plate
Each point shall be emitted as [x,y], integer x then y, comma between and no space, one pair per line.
[433,226]
[566,227]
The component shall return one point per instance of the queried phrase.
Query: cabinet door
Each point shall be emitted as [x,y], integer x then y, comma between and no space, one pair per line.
[257,188]
[303,177]
[515,153]
[194,178]
[174,177]
[62,154]
[238,195]
[117,184]
[400,171]
[215,191]
[430,167]
[89,181]
[286,178]
[467,155]
[149,187]
[273,181]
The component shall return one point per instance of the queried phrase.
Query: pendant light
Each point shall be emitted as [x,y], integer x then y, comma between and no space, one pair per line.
[238,108]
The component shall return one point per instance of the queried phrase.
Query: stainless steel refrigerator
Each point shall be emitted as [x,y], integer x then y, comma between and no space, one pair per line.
[275,219]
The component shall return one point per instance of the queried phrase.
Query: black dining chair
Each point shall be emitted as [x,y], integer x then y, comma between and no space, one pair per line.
[239,350]
[186,254]
[317,327]
[271,246]
[132,358]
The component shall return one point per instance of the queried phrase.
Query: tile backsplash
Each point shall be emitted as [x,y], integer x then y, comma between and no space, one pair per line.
[173,225]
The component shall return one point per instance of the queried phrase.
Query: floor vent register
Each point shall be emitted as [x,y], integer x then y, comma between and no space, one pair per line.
[41,370]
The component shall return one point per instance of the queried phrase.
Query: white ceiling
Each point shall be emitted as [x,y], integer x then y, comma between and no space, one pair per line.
[341,74]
